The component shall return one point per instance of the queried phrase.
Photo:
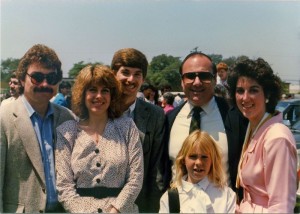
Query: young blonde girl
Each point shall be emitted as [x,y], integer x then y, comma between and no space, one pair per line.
[200,178]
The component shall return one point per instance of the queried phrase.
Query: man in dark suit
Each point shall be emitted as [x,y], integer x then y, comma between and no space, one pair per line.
[27,171]
[198,81]
[130,67]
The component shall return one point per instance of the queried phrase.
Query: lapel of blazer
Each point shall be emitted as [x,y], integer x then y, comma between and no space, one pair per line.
[223,107]
[28,137]
[141,115]
[170,117]
[56,119]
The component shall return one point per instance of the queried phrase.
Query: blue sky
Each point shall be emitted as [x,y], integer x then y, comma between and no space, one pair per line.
[92,30]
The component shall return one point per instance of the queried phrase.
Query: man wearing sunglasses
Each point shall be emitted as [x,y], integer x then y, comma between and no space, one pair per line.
[27,176]
[198,79]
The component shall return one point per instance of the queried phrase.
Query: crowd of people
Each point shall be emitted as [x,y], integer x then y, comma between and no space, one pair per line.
[120,146]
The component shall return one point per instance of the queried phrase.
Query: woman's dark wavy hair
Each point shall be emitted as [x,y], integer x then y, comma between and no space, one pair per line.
[260,71]
[96,75]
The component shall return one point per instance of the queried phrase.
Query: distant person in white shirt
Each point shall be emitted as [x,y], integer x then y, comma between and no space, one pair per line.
[200,179]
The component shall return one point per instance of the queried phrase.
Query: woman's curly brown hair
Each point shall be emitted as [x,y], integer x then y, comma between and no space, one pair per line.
[260,71]
[95,75]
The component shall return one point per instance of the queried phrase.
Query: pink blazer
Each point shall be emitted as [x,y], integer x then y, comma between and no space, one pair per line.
[268,174]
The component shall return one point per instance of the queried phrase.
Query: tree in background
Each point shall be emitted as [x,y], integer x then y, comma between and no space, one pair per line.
[163,69]
[7,66]
[73,72]
[216,58]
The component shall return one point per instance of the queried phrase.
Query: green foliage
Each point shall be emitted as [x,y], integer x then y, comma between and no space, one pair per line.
[77,67]
[159,63]
[7,66]
[230,61]
[216,58]
[285,87]
[242,57]
[163,70]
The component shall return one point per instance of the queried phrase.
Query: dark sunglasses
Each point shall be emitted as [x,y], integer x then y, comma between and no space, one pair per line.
[38,77]
[204,76]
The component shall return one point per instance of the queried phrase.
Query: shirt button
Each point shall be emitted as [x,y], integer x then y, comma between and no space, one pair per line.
[98,164]
[99,210]
[98,180]
[97,151]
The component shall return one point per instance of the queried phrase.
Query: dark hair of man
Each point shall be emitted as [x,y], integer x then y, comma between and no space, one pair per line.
[13,74]
[213,69]
[144,86]
[130,57]
[42,55]
[260,71]
[64,84]
[169,98]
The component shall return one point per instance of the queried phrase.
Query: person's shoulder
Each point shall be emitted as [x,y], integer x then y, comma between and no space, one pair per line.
[278,131]
[225,190]
[123,124]
[9,105]
[6,103]
[221,101]
[64,111]
[58,108]
[67,126]
[150,107]
[228,190]
[123,119]
[8,100]
[69,131]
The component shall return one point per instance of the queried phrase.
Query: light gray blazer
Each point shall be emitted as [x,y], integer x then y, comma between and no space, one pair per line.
[22,178]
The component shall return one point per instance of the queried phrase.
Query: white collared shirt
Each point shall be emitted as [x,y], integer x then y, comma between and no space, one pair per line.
[129,111]
[211,122]
[202,197]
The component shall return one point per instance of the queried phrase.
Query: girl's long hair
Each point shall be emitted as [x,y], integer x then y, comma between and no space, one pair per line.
[200,141]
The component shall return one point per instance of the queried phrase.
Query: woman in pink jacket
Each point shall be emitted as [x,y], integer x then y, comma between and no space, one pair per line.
[267,168]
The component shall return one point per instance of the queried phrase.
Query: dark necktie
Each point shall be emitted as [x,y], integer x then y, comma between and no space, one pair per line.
[195,122]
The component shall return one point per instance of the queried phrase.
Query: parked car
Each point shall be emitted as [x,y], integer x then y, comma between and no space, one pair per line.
[290,111]
[296,132]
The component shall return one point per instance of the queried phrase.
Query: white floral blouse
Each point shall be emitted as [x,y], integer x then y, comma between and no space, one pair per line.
[116,161]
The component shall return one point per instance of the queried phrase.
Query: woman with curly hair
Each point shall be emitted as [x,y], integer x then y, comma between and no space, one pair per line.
[200,181]
[267,168]
[99,160]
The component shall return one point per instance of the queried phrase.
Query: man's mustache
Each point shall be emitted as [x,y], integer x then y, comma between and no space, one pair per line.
[43,90]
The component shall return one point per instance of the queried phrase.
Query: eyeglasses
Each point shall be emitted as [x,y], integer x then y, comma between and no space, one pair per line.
[38,77]
[204,76]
